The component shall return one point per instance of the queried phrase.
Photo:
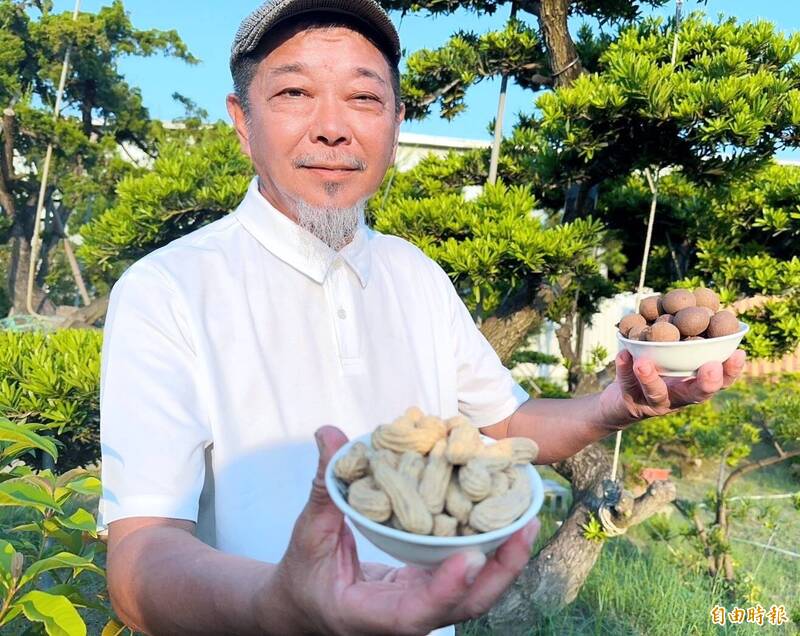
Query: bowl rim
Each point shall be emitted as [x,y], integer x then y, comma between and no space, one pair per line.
[743,329]
[332,485]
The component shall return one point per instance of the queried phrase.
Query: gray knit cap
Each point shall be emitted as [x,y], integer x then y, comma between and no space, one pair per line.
[269,14]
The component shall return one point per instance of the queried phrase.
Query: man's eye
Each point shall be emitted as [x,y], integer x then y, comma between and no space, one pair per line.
[365,98]
[292,92]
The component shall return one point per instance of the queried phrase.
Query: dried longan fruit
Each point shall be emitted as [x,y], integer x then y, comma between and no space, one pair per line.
[693,338]
[629,322]
[663,332]
[666,318]
[722,323]
[706,298]
[678,299]
[638,332]
[691,321]
[649,307]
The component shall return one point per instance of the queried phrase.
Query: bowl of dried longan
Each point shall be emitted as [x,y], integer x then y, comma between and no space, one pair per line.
[422,488]
[681,330]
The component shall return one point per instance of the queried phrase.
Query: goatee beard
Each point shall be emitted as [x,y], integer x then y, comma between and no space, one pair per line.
[334,226]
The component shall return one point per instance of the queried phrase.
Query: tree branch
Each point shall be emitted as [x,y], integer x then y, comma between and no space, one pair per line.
[761,463]
[432,97]
[87,316]
[630,512]
[771,437]
[9,131]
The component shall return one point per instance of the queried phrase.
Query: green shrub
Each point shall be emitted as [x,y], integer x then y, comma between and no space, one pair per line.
[49,549]
[731,423]
[53,379]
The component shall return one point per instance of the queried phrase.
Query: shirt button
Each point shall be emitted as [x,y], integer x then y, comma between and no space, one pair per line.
[342,314]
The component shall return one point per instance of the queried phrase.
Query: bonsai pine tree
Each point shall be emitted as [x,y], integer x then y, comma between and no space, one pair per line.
[101,113]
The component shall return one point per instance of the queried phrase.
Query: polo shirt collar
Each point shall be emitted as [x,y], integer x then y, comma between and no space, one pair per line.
[296,246]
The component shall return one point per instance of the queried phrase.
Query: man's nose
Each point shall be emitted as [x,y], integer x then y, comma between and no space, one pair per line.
[330,126]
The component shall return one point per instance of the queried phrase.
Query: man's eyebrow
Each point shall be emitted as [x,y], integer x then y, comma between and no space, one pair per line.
[366,72]
[284,69]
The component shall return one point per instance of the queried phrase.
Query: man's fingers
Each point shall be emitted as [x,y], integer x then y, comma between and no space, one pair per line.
[625,376]
[500,572]
[320,517]
[707,382]
[652,385]
[732,367]
[437,599]
[329,439]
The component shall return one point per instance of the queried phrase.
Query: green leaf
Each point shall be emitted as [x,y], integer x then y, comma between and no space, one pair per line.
[11,615]
[26,527]
[86,486]
[76,597]
[59,616]
[23,492]
[60,560]
[79,520]
[7,552]
[10,432]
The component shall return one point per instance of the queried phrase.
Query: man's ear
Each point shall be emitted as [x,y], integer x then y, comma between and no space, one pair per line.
[239,120]
[398,120]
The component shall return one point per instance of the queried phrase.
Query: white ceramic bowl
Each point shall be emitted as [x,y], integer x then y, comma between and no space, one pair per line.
[425,551]
[684,358]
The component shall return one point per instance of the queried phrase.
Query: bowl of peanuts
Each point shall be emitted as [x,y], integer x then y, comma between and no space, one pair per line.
[422,488]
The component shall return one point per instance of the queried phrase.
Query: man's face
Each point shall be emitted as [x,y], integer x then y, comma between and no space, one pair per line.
[323,127]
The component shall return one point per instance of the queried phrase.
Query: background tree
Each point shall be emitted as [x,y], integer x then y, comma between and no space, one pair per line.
[717,116]
[102,118]
[516,265]
[727,429]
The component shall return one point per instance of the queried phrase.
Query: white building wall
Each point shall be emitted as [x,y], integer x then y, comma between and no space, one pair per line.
[601,332]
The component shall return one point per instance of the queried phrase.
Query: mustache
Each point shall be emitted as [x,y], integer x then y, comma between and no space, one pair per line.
[353,163]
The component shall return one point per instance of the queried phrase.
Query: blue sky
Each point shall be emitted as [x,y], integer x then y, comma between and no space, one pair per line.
[208,26]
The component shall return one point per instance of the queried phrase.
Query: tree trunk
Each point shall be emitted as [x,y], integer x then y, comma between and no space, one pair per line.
[21,233]
[554,577]
[561,52]
[507,330]
[507,334]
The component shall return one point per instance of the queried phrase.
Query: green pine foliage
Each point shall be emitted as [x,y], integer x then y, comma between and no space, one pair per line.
[443,75]
[195,180]
[732,100]
[492,244]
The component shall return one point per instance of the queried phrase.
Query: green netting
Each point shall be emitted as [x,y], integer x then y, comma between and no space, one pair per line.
[26,322]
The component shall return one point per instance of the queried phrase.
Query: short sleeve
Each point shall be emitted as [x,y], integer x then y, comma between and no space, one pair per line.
[487,393]
[153,424]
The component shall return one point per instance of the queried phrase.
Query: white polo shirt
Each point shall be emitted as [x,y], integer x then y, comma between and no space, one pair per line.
[226,349]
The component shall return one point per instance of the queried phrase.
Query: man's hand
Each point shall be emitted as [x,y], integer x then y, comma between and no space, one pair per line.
[639,392]
[333,593]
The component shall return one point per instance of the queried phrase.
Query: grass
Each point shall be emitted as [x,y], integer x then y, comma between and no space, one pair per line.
[652,588]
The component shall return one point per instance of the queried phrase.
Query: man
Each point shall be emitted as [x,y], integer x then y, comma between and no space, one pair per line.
[228,348]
